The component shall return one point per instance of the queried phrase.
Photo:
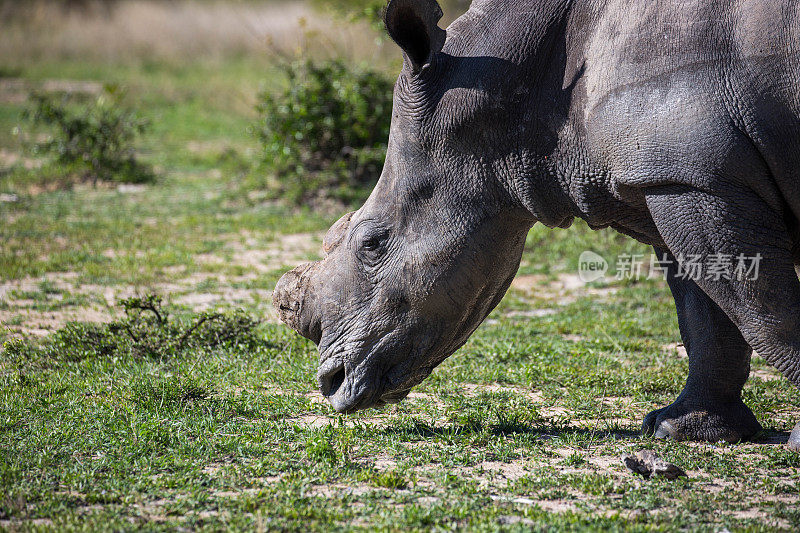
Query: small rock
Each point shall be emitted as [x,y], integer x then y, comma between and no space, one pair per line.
[649,464]
[8,198]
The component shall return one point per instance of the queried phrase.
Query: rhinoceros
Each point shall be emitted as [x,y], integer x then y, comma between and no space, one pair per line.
[675,122]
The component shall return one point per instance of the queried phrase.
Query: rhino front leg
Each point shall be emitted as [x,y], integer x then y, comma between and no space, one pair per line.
[710,407]
[764,305]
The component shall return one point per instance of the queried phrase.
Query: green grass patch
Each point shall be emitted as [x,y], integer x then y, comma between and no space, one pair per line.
[511,432]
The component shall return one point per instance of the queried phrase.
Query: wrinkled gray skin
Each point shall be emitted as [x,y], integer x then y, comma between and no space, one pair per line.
[675,122]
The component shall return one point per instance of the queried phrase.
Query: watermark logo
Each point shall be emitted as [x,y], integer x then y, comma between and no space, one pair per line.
[714,267]
[591,266]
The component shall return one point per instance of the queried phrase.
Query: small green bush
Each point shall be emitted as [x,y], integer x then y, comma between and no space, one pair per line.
[172,393]
[390,479]
[94,138]
[320,446]
[325,135]
[146,330]
[155,334]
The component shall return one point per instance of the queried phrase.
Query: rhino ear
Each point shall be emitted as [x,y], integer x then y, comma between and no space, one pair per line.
[412,24]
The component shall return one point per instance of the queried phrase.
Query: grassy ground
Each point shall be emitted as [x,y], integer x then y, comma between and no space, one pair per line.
[522,428]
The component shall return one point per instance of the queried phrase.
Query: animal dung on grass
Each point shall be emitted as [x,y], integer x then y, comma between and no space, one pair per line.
[650,465]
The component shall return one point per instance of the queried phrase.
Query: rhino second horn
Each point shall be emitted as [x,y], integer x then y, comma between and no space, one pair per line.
[336,233]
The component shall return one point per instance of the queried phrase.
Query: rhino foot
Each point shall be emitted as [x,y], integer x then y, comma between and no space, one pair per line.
[681,421]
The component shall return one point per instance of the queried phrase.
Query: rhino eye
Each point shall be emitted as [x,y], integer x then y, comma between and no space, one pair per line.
[425,192]
[373,243]
[372,246]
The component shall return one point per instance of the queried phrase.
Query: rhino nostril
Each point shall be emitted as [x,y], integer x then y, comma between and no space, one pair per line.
[336,381]
[332,382]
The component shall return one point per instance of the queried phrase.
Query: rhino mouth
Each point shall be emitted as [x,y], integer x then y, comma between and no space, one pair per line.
[369,383]
[348,389]
[349,394]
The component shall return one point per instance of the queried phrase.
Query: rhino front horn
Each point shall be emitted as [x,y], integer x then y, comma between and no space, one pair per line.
[289,299]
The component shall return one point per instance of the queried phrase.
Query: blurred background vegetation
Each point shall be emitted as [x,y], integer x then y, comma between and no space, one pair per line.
[295,95]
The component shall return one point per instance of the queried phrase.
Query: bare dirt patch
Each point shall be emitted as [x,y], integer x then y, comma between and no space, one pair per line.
[321,420]
[677,348]
[254,255]
[500,470]
[288,250]
[564,289]
[531,313]
[13,524]
[43,323]
[337,489]
[10,159]
[17,90]
[766,374]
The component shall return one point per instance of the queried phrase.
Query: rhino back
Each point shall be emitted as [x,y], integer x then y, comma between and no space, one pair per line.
[634,42]
[693,92]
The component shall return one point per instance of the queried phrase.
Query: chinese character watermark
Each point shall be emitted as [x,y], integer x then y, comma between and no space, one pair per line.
[629,266]
[696,267]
